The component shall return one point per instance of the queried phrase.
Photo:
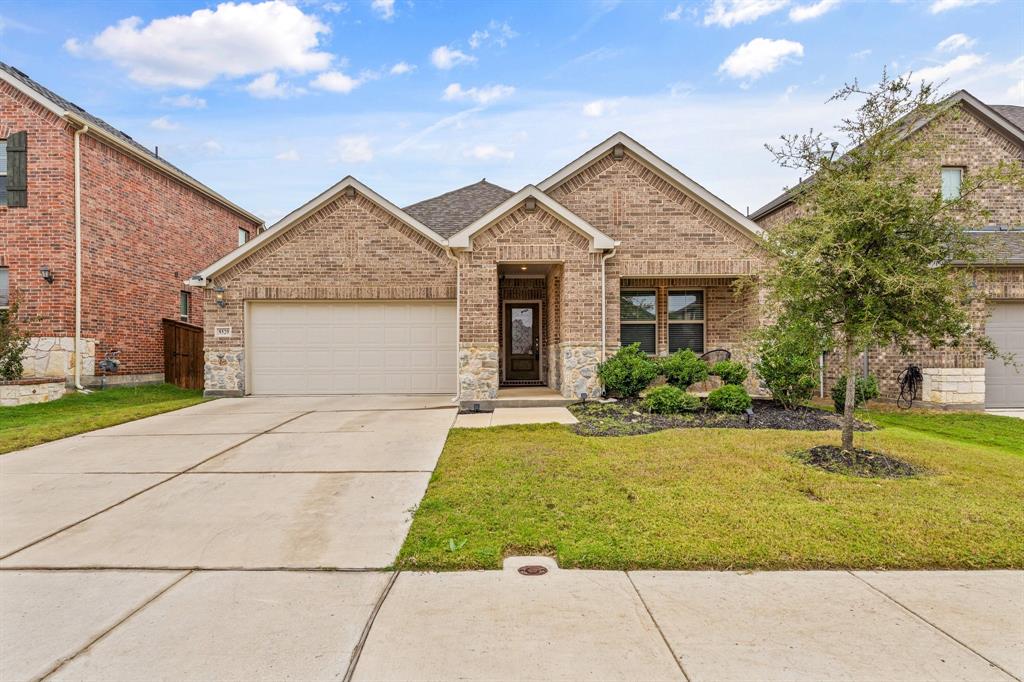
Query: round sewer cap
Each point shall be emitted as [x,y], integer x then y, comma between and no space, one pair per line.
[532,569]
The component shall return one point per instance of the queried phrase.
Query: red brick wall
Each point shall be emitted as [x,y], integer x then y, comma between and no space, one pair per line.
[143,233]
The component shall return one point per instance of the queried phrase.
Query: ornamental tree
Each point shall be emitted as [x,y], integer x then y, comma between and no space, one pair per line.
[875,255]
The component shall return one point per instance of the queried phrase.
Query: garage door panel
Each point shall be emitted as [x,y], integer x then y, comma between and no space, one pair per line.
[1004,383]
[352,347]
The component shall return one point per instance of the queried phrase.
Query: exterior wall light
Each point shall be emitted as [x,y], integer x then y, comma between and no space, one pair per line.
[218,296]
[46,274]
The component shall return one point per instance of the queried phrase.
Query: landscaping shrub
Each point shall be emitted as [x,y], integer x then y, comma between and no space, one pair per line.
[12,343]
[731,373]
[627,372]
[729,398]
[670,399]
[787,363]
[864,389]
[684,369]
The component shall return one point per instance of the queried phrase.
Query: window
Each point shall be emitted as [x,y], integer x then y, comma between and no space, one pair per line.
[3,173]
[184,305]
[686,321]
[638,314]
[5,288]
[243,235]
[951,180]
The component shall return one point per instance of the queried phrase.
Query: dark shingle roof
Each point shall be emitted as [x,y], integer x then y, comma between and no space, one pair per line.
[448,213]
[97,122]
[1010,112]
[1001,246]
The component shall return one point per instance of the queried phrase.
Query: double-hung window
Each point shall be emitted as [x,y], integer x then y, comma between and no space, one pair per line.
[952,179]
[638,316]
[184,305]
[686,321]
[5,288]
[3,172]
[243,235]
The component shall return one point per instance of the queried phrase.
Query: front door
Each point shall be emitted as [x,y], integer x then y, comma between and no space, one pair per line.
[522,342]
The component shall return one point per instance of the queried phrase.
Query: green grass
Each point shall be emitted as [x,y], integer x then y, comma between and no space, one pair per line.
[715,499]
[26,425]
[1003,433]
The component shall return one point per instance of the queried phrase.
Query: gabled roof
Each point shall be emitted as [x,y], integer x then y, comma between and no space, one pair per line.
[448,213]
[1000,246]
[1006,118]
[464,238]
[665,169]
[70,111]
[298,215]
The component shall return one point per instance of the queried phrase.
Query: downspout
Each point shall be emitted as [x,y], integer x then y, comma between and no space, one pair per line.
[604,307]
[78,257]
[458,322]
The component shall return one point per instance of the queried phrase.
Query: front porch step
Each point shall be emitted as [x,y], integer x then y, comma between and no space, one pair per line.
[520,396]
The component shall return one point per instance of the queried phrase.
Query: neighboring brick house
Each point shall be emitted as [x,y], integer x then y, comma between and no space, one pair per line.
[975,136]
[481,288]
[145,227]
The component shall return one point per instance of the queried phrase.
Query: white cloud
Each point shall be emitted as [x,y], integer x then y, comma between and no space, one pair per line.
[488,152]
[354,149]
[401,68]
[335,7]
[482,96]
[496,33]
[1016,92]
[954,67]
[446,58]
[728,13]
[807,12]
[336,81]
[163,123]
[212,147]
[184,102]
[957,41]
[287,155]
[939,6]
[598,108]
[759,57]
[674,14]
[385,9]
[74,46]
[269,86]
[233,40]
[861,54]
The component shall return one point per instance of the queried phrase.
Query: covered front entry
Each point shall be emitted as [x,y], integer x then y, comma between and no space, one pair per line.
[527,318]
[345,347]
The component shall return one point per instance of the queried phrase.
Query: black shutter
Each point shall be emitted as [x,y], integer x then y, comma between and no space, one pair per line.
[17,170]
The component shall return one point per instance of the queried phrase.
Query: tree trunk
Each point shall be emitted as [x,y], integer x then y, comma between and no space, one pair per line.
[851,388]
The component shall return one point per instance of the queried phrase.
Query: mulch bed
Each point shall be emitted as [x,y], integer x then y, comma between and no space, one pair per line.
[629,418]
[862,463]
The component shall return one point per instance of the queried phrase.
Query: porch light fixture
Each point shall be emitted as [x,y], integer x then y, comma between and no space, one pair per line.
[522,267]
[46,274]
[530,205]
[218,297]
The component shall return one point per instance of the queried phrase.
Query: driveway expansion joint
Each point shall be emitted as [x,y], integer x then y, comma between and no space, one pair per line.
[358,649]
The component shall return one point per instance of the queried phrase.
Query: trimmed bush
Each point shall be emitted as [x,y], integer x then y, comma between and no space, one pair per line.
[787,363]
[13,343]
[731,373]
[684,369]
[627,372]
[670,399]
[864,389]
[729,398]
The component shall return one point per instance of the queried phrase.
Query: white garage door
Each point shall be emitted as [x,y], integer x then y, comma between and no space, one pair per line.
[365,347]
[1004,384]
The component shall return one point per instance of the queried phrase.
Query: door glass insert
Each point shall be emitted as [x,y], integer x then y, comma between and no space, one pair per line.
[522,331]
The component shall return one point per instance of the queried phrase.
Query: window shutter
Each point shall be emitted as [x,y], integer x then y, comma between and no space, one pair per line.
[17,170]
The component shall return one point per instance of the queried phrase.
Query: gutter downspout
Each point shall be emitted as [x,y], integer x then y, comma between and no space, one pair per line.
[604,306]
[458,322]
[78,257]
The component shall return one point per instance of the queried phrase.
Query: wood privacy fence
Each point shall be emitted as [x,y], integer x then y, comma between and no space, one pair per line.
[183,354]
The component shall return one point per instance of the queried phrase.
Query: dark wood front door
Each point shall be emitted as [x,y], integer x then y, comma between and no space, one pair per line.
[522,342]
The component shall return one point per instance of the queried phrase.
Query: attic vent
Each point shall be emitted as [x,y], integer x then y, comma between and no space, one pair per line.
[530,205]
[618,152]
[350,192]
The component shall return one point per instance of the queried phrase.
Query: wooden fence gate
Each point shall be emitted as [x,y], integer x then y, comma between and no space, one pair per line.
[183,354]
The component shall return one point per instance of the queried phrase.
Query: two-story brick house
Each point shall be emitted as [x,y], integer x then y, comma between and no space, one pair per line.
[974,136]
[97,234]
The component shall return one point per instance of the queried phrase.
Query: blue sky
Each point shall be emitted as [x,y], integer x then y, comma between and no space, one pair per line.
[269,103]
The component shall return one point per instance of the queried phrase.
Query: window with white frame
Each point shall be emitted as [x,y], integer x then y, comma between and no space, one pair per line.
[243,235]
[3,172]
[638,317]
[184,305]
[686,321]
[952,179]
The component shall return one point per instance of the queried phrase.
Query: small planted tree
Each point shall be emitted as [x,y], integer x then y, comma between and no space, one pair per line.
[875,255]
[12,343]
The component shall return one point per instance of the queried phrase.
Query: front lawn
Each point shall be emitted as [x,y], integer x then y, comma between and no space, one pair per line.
[1004,433]
[26,425]
[715,499]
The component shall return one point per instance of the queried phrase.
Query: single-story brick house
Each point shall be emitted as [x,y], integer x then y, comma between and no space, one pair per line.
[482,288]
